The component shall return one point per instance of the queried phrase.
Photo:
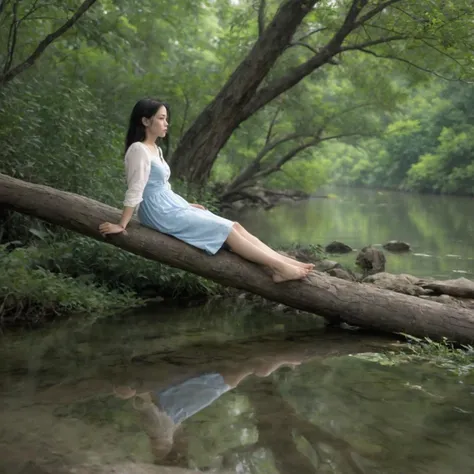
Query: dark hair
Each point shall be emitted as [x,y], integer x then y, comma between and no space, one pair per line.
[136,130]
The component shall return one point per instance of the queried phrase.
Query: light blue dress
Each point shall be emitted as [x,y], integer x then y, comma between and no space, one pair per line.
[183,400]
[164,210]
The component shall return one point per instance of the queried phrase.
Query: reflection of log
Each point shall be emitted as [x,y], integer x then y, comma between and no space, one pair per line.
[335,299]
[150,371]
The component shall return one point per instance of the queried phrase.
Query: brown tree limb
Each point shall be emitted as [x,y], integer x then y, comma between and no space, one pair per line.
[27,63]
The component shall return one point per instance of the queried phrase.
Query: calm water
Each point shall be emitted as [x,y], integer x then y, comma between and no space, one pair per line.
[267,393]
[228,388]
[440,229]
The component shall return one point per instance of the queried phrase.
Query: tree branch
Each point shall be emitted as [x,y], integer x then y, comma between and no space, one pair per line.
[292,153]
[270,128]
[323,56]
[305,45]
[307,35]
[9,75]
[254,166]
[416,66]
[261,17]
[3,4]
[361,46]
[12,36]
[375,11]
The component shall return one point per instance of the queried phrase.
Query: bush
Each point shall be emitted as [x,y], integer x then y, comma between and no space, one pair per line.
[32,295]
[103,264]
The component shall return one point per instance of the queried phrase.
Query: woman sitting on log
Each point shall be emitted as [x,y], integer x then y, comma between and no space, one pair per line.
[162,209]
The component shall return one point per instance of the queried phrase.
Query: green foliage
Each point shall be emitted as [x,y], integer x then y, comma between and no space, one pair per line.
[427,146]
[33,294]
[103,264]
[443,354]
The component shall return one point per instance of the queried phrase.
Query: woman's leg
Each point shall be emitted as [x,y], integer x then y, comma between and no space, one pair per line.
[258,243]
[282,271]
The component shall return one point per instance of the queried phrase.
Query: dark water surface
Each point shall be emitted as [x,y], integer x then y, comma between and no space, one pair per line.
[272,393]
[440,229]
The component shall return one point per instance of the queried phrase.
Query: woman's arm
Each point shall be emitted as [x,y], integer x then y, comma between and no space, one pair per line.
[137,168]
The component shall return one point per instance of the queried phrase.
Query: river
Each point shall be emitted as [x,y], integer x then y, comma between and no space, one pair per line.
[439,229]
[230,388]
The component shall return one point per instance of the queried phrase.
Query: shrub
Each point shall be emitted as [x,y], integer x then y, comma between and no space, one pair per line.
[32,295]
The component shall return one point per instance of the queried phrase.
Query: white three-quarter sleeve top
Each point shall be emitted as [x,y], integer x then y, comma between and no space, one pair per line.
[137,170]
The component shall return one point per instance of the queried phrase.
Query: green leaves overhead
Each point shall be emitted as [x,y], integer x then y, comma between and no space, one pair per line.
[73,104]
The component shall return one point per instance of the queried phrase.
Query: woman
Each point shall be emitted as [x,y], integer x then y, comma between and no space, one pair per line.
[163,411]
[161,209]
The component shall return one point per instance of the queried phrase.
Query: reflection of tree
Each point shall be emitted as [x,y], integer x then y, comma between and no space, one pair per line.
[281,430]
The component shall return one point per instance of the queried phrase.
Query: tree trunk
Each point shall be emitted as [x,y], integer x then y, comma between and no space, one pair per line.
[242,96]
[197,151]
[336,300]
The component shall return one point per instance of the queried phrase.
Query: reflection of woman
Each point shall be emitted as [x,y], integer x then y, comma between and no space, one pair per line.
[162,209]
[162,412]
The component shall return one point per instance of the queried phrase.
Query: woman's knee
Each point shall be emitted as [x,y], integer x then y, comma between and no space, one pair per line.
[234,237]
[237,227]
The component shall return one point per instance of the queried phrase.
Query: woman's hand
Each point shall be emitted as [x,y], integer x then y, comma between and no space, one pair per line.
[108,228]
[198,206]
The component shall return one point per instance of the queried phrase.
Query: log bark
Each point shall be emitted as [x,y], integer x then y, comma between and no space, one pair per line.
[337,300]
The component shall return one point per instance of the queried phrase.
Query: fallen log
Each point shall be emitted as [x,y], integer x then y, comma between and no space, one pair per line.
[337,300]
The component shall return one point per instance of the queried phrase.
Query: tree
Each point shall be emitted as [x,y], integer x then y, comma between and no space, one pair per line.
[330,107]
[391,29]
[14,13]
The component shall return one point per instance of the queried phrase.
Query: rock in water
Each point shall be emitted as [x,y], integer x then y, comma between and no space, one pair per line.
[397,246]
[337,247]
[371,260]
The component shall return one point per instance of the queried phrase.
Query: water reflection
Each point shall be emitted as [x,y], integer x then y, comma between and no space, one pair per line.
[283,403]
[439,228]
[163,411]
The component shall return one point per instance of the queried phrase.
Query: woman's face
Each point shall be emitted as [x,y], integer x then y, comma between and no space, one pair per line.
[158,124]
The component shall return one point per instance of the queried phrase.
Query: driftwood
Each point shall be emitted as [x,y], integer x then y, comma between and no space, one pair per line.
[335,299]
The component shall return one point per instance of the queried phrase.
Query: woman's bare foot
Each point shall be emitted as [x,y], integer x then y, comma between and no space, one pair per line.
[288,272]
[264,368]
[124,392]
[297,263]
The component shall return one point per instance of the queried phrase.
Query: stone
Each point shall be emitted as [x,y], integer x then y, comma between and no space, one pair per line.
[371,260]
[337,247]
[397,246]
